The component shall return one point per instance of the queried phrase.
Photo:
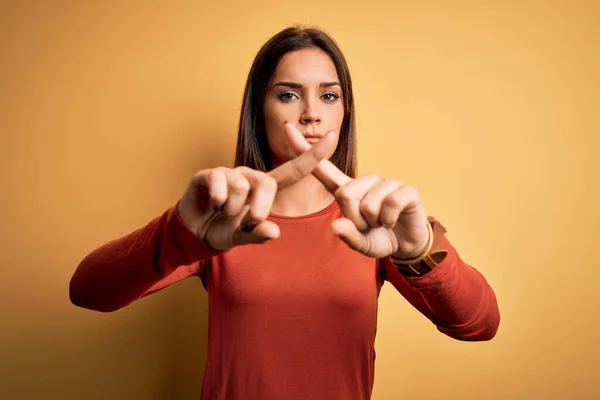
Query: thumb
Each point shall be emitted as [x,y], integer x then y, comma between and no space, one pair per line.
[261,233]
[347,231]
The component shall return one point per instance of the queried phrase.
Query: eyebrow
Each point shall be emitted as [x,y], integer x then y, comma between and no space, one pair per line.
[295,85]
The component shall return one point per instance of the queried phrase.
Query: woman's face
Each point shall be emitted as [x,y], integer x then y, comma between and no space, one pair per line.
[305,91]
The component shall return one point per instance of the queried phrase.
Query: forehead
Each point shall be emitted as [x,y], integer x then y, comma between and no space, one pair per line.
[307,65]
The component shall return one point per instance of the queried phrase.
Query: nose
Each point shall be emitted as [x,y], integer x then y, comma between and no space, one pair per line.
[310,114]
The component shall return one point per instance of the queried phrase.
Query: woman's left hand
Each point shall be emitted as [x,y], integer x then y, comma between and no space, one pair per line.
[381,216]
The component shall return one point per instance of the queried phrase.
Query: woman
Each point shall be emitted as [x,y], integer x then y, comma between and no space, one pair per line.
[292,248]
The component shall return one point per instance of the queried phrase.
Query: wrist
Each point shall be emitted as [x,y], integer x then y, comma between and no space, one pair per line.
[433,254]
[408,254]
[405,252]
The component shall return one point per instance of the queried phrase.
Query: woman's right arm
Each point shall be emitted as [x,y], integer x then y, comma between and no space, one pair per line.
[220,209]
[142,262]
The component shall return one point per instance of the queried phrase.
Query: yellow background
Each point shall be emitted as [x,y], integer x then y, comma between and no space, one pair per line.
[491,109]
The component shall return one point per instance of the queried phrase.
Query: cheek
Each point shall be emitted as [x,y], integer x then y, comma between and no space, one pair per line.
[273,114]
[338,118]
[274,120]
[339,115]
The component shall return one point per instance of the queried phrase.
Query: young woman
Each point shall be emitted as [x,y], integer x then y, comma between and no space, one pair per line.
[291,246]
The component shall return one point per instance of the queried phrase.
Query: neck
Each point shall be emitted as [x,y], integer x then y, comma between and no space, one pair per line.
[302,198]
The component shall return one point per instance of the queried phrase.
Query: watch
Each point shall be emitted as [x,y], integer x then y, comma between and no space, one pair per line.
[436,254]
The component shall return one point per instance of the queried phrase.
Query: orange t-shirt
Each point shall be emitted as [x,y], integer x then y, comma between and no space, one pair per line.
[294,318]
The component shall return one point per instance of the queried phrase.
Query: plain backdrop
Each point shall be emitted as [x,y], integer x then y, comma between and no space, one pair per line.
[489,108]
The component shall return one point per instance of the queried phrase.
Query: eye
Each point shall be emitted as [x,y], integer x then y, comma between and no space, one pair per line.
[286,97]
[330,97]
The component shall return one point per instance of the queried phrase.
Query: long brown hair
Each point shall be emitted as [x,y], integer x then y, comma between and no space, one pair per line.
[252,147]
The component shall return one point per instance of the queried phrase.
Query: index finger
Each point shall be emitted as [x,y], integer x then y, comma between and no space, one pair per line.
[330,176]
[326,172]
[298,168]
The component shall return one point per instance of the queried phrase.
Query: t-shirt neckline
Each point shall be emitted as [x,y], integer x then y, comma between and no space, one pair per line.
[331,207]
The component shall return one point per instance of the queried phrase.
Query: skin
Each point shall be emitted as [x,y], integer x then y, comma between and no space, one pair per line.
[305,92]
[229,207]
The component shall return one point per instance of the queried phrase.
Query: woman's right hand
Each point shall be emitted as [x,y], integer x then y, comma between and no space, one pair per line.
[229,207]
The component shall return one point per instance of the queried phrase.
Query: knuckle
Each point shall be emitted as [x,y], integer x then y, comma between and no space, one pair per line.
[343,194]
[219,204]
[368,209]
[269,183]
[388,221]
[392,182]
[200,173]
[218,198]
[217,174]
[214,173]
[411,192]
[392,200]
[373,179]
[240,185]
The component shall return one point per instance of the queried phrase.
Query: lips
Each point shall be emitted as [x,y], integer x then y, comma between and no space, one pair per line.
[312,136]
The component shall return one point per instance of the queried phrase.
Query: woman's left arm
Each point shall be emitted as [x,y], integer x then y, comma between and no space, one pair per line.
[452,294]
[384,219]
